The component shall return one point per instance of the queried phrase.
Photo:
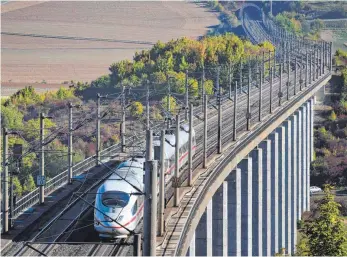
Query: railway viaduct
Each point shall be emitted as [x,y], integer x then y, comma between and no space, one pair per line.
[248,183]
[249,198]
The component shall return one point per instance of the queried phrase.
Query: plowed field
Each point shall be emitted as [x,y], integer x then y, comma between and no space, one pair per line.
[63,41]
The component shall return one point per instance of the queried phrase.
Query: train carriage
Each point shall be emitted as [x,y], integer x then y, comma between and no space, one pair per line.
[118,198]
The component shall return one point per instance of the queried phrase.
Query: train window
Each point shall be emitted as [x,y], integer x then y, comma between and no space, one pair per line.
[115,199]
[134,209]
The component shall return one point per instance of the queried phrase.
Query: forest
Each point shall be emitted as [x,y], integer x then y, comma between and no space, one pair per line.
[164,63]
[330,165]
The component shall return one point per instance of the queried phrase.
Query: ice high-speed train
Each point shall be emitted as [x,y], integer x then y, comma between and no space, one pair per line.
[118,198]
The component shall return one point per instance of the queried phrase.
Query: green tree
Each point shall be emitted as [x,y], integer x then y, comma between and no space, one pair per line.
[209,87]
[32,127]
[332,116]
[326,234]
[18,189]
[102,82]
[302,249]
[64,93]
[183,65]
[24,96]
[173,104]
[193,87]
[11,117]
[29,184]
[136,109]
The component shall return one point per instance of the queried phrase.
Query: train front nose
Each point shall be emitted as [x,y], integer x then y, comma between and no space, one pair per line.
[110,225]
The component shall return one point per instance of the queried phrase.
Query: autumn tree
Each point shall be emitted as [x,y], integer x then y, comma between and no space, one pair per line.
[136,109]
[326,235]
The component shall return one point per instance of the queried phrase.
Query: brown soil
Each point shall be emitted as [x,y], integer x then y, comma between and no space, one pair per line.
[15,5]
[131,26]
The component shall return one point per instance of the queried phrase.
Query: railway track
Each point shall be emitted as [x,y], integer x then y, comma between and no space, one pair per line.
[63,223]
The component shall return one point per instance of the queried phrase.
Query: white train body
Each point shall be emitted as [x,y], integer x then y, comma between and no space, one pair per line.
[118,200]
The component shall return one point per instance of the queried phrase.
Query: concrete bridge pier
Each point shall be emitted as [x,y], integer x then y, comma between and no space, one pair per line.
[265,146]
[257,201]
[303,108]
[273,137]
[298,114]
[234,213]
[288,186]
[246,207]
[254,212]
[281,187]
[293,181]
[220,221]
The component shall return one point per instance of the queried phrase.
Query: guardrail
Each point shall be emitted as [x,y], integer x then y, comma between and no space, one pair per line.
[60,180]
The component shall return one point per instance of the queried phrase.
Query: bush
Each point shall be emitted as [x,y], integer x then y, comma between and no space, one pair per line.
[136,109]
[332,116]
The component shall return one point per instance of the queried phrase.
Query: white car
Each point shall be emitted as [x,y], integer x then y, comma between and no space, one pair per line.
[315,189]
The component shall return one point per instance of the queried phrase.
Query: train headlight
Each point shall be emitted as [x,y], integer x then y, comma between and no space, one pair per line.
[108,219]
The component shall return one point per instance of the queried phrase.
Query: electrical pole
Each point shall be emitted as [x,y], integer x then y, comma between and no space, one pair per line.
[161,227]
[98,119]
[235,112]
[274,69]
[263,67]
[295,74]
[149,228]
[271,7]
[204,154]
[123,119]
[168,103]
[42,178]
[190,145]
[5,180]
[248,97]
[301,68]
[147,106]
[271,81]
[137,245]
[260,92]
[321,59]
[314,65]
[186,97]
[310,69]
[177,163]
[241,75]
[220,113]
[280,94]
[203,85]
[11,199]
[154,205]
[70,174]
[331,56]
[230,80]
[288,81]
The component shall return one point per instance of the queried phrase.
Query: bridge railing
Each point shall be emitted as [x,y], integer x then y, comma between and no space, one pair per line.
[61,179]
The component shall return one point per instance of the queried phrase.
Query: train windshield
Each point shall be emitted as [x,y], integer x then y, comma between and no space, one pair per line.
[115,199]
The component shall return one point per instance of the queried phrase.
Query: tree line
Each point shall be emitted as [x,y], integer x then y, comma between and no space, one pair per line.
[163,62]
